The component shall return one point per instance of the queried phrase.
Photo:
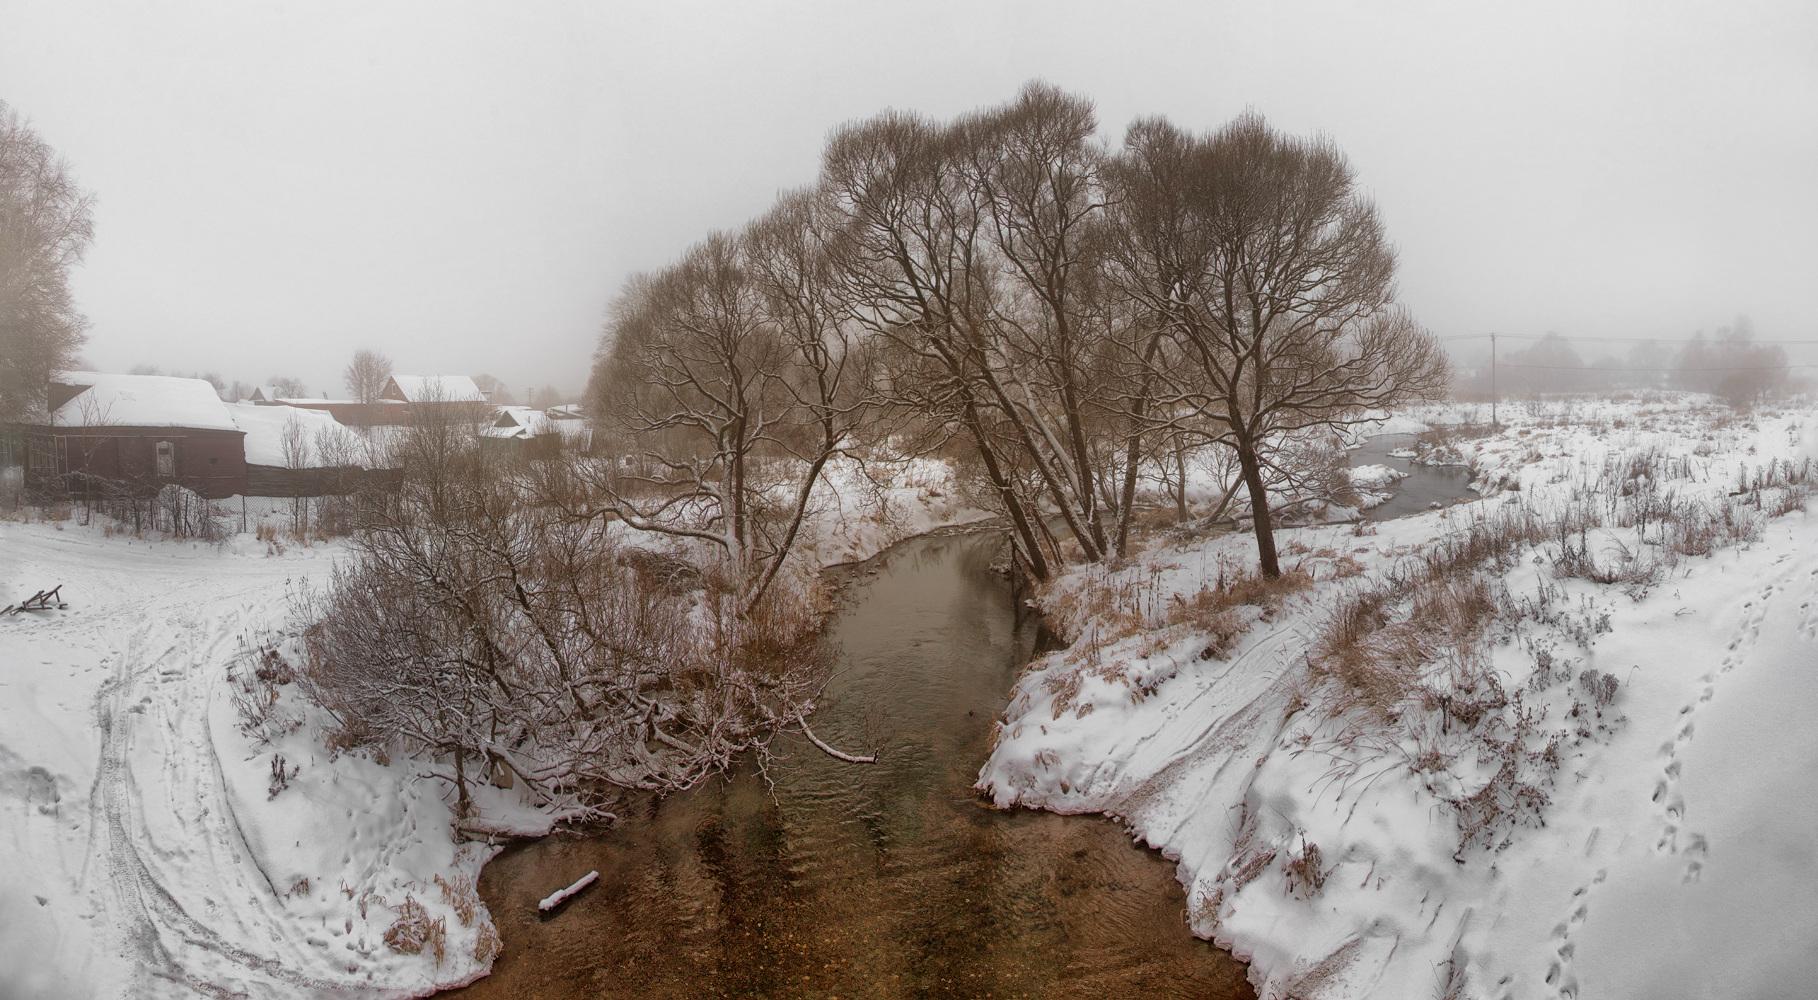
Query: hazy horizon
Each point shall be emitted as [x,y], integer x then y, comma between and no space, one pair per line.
[467,188]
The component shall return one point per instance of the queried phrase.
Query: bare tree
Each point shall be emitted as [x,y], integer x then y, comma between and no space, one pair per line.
[734,378]
[979,249]
[289,388]
[971,246]
[45,227]
[495,390]
[366,376]
[94,418]
[295,446]
[1258,257]
[1732,366]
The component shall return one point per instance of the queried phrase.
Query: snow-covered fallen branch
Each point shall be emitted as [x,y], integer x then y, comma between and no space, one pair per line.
[555,899]
[848,758]
[529,824]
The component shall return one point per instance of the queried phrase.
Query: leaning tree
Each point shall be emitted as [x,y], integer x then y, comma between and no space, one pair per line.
[1256,254]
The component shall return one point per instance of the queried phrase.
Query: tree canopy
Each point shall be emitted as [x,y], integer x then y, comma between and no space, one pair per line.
[1063,318]
[46,224]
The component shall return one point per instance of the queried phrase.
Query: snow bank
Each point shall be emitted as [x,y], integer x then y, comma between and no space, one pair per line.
[1375,477]
[1668,851]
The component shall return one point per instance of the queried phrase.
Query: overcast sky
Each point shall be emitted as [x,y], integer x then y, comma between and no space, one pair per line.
[465,186]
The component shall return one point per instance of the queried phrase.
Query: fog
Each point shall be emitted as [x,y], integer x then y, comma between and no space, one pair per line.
[465,187]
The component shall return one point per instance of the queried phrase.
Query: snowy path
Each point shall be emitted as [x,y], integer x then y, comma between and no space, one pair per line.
[146,857]
[179,848]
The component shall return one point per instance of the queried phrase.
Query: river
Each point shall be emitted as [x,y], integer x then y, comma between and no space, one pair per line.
[864,881]
[1425,486]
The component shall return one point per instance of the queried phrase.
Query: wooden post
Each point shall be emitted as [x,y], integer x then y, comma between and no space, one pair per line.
[1492,381]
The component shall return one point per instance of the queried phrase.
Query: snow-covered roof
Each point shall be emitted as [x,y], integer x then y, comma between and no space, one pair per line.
[573,431]
[265,426]
[518,416]
[501,432]
[434,388]
[142,401]
[566,411]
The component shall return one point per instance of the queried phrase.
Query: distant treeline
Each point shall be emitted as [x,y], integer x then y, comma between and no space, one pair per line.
[1731,365]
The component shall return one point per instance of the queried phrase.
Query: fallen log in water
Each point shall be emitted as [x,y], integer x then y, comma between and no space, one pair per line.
[555,899]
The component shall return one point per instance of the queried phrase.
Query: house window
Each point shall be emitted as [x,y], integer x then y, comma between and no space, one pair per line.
[167,459]
[40,455]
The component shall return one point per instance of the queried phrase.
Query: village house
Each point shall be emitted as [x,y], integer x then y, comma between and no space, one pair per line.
[451,397]
[348,412]
[145,431]
[539,433]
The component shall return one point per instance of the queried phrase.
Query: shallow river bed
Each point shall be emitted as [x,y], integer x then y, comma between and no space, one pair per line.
[860,881]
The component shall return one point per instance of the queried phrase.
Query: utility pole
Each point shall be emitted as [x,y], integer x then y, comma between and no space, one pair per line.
[1492,381]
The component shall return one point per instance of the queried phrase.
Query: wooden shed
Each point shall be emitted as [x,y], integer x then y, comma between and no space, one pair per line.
[143,431]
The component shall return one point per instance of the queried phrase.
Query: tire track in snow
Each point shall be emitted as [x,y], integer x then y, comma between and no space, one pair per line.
[1228,732]
[170,944]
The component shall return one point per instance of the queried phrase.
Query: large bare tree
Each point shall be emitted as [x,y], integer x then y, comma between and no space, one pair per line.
[1257,255]
[976,250]
[45,227]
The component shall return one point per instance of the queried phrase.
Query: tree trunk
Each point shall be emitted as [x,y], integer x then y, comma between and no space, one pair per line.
[463,804]
[1128,506]
[1180,495]
[1038,566]
[1259,509]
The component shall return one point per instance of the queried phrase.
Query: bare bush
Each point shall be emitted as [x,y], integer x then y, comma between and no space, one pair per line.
[479,624]
[1600,686]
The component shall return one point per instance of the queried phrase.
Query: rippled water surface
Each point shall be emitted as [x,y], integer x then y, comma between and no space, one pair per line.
[889,880]
[1425,485]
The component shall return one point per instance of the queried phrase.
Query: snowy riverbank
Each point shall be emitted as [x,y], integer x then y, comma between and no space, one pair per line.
[1615,813]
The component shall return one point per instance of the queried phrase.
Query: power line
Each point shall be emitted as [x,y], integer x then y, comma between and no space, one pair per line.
[1619,340]
[1673,368]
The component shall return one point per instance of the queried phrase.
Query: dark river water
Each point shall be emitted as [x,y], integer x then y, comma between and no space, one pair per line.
[1425,485]
[864,881]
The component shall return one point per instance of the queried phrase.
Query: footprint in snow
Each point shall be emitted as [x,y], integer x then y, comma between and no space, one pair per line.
[1559,973]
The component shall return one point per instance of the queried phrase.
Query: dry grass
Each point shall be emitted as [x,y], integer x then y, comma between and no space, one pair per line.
[458,892]
[1303,870]
[413,931]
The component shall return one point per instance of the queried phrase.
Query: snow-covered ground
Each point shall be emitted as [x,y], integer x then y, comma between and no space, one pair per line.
[1662,846]
[145,855]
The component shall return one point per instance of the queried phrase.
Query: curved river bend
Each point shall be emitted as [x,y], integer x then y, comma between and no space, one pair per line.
[864,881]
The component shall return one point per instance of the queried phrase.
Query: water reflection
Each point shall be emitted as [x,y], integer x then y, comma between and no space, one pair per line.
[890,880]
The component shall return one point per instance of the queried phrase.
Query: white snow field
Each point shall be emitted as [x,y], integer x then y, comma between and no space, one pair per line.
[1638,798]
[144,855]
